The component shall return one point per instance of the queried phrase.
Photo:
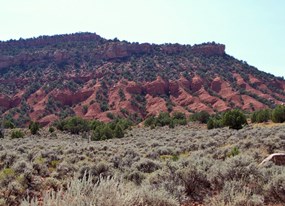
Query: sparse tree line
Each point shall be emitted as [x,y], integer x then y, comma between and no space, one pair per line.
[234,119]
[97,130]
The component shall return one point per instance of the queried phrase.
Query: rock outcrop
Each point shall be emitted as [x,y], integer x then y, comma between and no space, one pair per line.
[114,51]
[210,49]
[157,87]
[5,101]
[276,158]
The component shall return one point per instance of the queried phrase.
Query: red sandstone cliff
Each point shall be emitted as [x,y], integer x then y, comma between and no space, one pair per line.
[92,77]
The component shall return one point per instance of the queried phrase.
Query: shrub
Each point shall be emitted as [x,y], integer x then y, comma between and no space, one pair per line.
[278,114]
[74,125]
[214,123]
[260,116]
[34,127]
[1,131]
[110,115]
[235,193]
[6,176]
[171,124]
[235,119]
[17,134]
[122,94]
[276,187]
[163,119]
[102,132]
[238,168]
[235,151]
[118,132]
[94,124]
[179,118]
[107,191]
[104,106]
[51,129]
[135,176]
[147,166]
[84,109]
[9,124]
[194,181]
[149,121]
[201,117]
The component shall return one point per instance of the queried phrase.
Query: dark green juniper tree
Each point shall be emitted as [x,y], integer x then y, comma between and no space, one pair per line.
[1,129]
[34,127]
[234,119]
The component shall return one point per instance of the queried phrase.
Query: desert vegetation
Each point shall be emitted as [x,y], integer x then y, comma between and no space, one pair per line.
[139,155]
[99,130]
[149,166]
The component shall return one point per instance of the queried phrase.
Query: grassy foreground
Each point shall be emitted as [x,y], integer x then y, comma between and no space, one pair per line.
[160,166]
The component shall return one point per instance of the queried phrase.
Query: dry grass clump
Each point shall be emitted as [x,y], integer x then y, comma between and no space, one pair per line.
[235,193]
[106,192]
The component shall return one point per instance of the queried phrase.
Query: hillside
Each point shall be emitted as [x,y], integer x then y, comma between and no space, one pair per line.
[50,77]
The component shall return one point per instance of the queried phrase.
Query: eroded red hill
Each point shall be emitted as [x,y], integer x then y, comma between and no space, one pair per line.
[47,78]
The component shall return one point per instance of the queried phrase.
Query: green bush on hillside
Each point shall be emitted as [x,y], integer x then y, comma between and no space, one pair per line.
[278,114]
[179,118]
[149,121]
[234,119]
[201,117]
[100,130]
[118,131]
[260,116]
[214,122]
[51,129]
[34,127]
[74,125]
[17,134]
[9,124]
[1,132]
[115,129]
[164,119]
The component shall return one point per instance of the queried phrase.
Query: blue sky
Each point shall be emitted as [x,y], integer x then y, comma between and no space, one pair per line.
[252,30]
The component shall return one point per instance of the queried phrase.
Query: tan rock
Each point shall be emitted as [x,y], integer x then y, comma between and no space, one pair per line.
[276,158]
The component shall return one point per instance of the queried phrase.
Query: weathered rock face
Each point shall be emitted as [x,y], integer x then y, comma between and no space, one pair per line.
[134,88]
[113,51]
[28,58]
[48,119]
[157,87]
[216,85]
[210,49]
[196,83]
[155,105]
[174,88]
[172,49]
[5,101]
[68,98]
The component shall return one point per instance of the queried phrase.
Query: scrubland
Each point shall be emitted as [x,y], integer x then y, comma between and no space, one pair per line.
[187,165]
